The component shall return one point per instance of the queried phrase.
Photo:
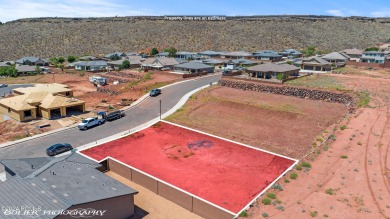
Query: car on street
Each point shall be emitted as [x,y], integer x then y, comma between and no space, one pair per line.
[114,115]
[155,92]
[58,149]
[3,85]
[90,122]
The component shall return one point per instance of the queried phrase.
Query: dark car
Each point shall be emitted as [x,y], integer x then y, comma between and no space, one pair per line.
[58,149]
[155,92]
[3,85]
[115,115]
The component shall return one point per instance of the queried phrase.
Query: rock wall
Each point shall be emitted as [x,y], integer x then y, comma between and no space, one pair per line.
[328,96]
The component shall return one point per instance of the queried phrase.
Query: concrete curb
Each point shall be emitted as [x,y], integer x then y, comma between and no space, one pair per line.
[140,100]
[181,102]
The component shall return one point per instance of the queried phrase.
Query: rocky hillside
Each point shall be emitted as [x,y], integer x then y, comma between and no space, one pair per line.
[49,37]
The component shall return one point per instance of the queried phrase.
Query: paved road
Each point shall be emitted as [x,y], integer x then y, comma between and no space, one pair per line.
[142,113]
[6,90]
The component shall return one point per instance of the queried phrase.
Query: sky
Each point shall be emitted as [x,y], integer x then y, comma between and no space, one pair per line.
[17,9]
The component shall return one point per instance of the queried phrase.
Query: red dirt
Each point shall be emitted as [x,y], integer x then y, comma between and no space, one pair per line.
[224,173]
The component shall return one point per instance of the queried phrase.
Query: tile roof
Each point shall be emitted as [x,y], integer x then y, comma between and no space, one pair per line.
[193,65]
[271,67]
[238,53]
[26,68]
[335,56]
[353,51]
[92,63]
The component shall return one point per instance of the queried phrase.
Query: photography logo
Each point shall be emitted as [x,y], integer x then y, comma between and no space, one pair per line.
[36,212]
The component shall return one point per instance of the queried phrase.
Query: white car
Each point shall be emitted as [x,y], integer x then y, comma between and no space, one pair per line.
[90,122]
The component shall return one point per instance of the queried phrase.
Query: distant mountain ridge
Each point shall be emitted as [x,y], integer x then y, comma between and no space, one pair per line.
[50,37]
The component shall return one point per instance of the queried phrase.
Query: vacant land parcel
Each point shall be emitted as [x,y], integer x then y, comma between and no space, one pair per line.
[281,124]
[221,172]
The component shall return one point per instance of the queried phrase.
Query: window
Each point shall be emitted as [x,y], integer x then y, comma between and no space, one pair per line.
[27,113]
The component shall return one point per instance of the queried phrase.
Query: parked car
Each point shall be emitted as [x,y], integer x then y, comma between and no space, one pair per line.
[115,115]
[155,92]
[90,122]
[58,149]
[3,85]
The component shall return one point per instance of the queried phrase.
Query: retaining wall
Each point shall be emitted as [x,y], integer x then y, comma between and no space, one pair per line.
[173,194]
[328,96]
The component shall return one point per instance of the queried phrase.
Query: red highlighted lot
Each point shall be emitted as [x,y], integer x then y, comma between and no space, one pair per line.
[222,172]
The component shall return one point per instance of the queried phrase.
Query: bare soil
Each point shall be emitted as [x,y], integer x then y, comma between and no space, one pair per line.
[281,124]
[84,90]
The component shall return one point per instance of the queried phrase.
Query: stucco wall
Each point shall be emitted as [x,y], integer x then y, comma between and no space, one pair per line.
[177,196]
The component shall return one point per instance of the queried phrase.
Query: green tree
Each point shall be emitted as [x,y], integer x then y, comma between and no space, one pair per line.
[154,52]
[289,62]
[8,71]
[38,69]
[54,61]
[281,76]
[71,59]
[114,57]
[372,49]
[171,51]
[125,64]
[61,59]
[309,51]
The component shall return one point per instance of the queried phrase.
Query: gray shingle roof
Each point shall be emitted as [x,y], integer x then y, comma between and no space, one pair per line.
[194,65]
[213,61]
[92,63]
[25,68]
[238,53]
[28,58]
[210,53]
[271,67]
[115,53]
[185,53]
[335,56]
[316,59]
[70,180]
[267,53]
[242,61]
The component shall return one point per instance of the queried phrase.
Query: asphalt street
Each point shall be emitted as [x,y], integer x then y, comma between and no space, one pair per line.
[6,90]
[138,115]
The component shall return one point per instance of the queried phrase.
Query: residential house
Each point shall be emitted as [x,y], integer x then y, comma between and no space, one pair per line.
[26,69]
[159,63]
[132,54]
[209,53]
[91,65]
[237,55]
[213,62]
[242,62]
[135,62]
[375,57]
[186,55]
[30,60]
[6,63]
[353,53]
[314,63]
[194,67]
[291,53]
[270,70]
[267,55]
[88,58]
[60,185]
[119,54]
[163,54]
[42,100]
[336,57]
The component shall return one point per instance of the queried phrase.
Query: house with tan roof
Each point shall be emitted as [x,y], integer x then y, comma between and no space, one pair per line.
[314,63]
[237,55]
[159,63]
[353,53]
[42,100]
[270,70]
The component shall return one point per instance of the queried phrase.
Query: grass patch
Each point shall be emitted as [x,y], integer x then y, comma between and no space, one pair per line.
[359,143]
[363,99]
[265,215]
[18,137]
[266,201]
[343,127]
[278,187]
[271,195]
[314,213]
[330,191]
[306,164]
[344,156]
[315,81]
[243,213]
[298,167]
[293,175]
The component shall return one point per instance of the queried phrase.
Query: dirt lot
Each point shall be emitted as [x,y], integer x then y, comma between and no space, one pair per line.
[348,176]
[86,91]
[281,124]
